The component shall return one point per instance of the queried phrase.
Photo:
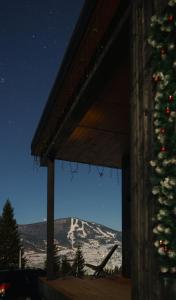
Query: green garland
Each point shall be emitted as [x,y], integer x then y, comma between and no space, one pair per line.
[163,41]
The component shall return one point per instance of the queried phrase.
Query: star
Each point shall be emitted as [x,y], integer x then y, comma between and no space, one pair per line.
[2,80]
[51,28]
[10,123]
[102,206]
[34,36]
[28,2]
[51,12]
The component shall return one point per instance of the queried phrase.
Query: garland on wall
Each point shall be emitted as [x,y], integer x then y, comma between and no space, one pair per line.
[163,41]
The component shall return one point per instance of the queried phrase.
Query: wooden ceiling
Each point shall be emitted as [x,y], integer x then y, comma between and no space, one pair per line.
[86,118]
[102,135]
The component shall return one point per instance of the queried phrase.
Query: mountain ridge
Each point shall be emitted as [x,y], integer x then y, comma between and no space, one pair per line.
[64,218]
[94,239]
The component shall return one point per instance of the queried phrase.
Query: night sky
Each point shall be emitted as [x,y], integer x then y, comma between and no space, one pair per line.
[34,35]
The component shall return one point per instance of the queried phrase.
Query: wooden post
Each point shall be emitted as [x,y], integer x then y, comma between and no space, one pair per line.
[126,218]
[146,284]
[50,220]
[141,131]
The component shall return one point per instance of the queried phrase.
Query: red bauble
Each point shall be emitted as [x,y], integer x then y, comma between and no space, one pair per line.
[163,130]
[156,78]
[170,18]
[167,110]
[165,249]
[171,98]
[162,149]
[162,51]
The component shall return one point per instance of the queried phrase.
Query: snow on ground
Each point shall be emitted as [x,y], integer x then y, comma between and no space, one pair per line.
[92,251]
[35,260]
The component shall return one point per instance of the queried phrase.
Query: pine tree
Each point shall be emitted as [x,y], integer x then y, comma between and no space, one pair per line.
[10,241]
[110,272]
[116,271]
[56,261]
[66,267]
[79,263]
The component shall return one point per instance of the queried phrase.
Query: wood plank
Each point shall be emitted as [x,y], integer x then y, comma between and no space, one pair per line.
[87,289]
[96,147]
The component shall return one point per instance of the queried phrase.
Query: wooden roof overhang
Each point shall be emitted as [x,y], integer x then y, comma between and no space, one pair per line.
[86,118]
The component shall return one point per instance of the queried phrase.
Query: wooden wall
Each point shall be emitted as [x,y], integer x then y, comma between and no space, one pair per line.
[145,282]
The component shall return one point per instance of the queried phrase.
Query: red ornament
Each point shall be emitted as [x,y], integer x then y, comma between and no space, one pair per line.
[170,18]
[163,130]
[162,149]
[165,249]
[167,110]
[156,78]
[162,51]
[171,98]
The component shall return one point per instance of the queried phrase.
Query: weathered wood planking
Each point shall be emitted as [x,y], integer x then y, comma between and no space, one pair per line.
[145,281]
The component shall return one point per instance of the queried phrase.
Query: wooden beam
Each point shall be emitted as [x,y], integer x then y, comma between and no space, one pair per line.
[146,284]
[50,220]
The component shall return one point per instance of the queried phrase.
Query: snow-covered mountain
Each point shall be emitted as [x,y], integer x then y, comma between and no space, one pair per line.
[96,241]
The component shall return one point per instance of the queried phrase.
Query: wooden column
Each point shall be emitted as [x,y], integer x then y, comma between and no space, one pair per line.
[141,130]
[50,220]
[146,284]
[126,218]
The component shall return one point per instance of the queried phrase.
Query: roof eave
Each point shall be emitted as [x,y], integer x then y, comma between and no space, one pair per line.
[78,32]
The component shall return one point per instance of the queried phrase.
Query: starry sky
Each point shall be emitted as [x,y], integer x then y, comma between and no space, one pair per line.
[34,35]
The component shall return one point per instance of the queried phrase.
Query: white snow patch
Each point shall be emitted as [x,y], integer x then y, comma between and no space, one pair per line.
[84,234]
[88,224]
[70,234]
[111,234]
[99,231]
[103,233]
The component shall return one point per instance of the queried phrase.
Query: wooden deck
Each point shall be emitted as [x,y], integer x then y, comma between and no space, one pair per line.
[78,289]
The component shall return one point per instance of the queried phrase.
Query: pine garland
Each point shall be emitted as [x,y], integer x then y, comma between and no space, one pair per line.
[163,41]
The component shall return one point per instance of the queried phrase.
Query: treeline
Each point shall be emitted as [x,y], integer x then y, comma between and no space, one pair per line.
[76,267]
[64,267]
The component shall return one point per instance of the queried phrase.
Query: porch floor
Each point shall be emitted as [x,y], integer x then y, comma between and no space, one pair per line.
[71,288]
